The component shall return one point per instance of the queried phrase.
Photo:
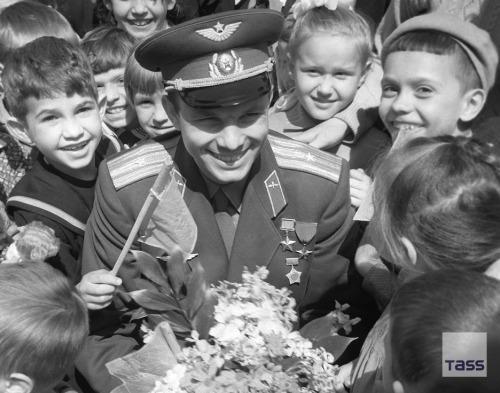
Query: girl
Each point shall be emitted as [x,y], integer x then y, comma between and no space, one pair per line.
[444,315]
[329,57]
[140,18]
[437,205]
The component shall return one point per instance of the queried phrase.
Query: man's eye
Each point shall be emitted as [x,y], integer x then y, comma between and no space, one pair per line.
[49,118]
[389,91]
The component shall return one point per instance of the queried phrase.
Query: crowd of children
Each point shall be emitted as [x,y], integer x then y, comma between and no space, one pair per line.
[406,120]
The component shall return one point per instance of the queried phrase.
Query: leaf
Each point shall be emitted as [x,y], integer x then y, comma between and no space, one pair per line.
[149,267]
[319,328]
[177,270]
[196,291]
[139,370]
[154,300]
[336,345]
[178,322]
[138,314]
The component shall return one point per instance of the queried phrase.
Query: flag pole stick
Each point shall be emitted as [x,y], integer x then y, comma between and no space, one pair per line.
[147,209]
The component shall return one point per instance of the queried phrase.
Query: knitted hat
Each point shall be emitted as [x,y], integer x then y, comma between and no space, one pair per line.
[476,42]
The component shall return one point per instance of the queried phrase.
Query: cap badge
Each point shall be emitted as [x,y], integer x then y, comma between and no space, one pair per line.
[225,64]
[219,32]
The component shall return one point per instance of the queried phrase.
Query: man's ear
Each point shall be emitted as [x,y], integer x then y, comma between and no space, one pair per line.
[171,4]
[19,383]
[108,5]
[410,249]
[17,130]
[172,112]
[397,387]
[472,104]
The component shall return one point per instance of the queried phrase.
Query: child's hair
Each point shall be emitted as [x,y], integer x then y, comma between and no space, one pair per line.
[430,305]
[443,195]
[43,322]
[25,21]
[44,68]
[437,43]
[137,79]
[343,21]
[108,48]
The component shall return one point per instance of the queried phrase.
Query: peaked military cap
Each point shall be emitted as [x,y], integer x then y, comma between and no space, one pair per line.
[216,60]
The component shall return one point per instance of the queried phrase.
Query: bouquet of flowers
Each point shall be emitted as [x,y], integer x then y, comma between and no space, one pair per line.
[236,337]
[251,347]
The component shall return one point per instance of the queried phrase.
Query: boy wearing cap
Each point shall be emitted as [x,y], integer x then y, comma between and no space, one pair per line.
[287,203]
[437,72]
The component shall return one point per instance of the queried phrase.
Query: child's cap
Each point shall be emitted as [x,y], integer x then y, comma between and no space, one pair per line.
[198,56]
[476,42]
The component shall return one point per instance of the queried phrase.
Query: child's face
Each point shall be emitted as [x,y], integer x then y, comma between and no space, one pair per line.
[119,112]
[421,95]
[140,18]
[327,71]
[151,113]
[66,130]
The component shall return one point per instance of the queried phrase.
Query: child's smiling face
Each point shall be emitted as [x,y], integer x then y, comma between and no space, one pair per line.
[140,18]
[422,95]
[327,70]
[67,131]
[119,112]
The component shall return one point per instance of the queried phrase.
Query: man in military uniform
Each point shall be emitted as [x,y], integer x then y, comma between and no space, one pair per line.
[288,204]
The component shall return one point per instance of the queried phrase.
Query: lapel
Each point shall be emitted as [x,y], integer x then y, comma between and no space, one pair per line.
[257,237]
[209,245]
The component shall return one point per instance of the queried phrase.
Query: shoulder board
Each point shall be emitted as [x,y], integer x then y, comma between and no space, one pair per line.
[291,154]
[144,160]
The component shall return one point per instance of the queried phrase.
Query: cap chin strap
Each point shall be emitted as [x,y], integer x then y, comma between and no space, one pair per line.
[181,84]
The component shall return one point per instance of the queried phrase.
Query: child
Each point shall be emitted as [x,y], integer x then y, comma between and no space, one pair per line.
[329,55]
[145,89]
[21,23]
[108,49]
[43,325]
[437,73]
[140,18]
[446,301]
[52,97]
[454,63]
[437,206]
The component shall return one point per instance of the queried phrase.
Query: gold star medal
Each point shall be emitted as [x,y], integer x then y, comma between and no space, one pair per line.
[287,225]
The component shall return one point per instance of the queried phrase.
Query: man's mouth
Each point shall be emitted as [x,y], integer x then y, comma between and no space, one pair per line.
[229,158]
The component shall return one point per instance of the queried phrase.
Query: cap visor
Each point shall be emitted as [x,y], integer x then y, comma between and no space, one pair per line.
[228,94]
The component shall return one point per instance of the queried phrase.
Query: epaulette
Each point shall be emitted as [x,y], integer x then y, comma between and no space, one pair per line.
[144,160]
[291,154]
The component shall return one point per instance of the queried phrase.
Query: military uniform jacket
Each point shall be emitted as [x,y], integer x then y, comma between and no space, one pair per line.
[288,180]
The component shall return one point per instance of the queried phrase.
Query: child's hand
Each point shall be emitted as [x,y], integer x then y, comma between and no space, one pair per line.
[97,288]
[344,378]
[325,135]
[360,184]
[366,258]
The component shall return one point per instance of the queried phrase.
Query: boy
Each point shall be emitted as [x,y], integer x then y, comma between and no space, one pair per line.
[21,23]
[437,73]
[52,98]
[145,89]
[43,325]
[108,49]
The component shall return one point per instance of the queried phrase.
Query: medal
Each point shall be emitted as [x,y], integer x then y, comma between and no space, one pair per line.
[294,276]
[305,231]
[287,225]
